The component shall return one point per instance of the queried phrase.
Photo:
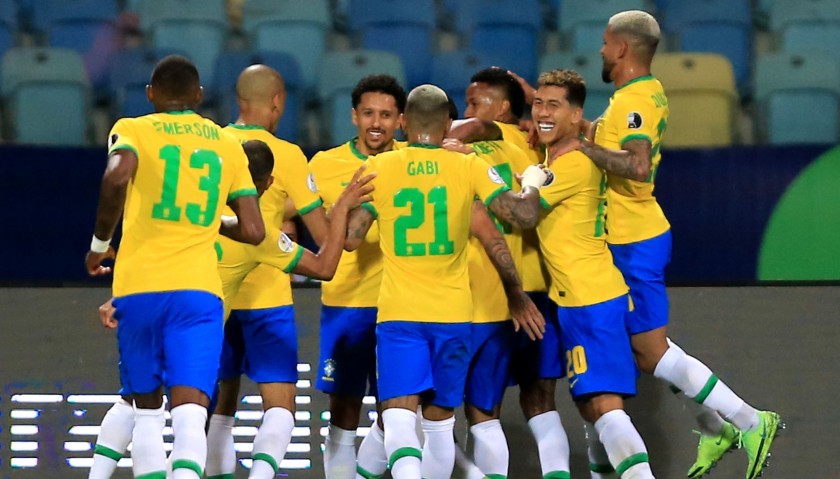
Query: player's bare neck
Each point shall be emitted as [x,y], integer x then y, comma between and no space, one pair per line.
[559,148]
[629,73]
[362,148]
[173,105]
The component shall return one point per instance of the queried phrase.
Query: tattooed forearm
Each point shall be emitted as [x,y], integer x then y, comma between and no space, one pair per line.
[521,210]
[358,224]
[502,259]
[631,162]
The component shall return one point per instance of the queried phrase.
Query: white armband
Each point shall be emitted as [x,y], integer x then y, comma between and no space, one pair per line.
[99,246]
[534,176]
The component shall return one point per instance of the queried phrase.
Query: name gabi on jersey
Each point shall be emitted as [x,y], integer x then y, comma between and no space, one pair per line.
[197,129]
[423,168]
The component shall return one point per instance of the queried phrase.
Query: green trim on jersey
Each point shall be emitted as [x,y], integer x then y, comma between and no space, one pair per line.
[371,209]
[123,147]
[310,206]
[293,264]
[240,193]
[496,193]
[354,150]
[179,112]
[544,203]
[246,127]
[637,80]
[634,136]
[424,145]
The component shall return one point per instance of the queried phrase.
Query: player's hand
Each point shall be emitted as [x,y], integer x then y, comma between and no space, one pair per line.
[526,315]
[519,177]
[357,191]
[106,314]
[456,145]
[526,87]
[533,135]
[93,262]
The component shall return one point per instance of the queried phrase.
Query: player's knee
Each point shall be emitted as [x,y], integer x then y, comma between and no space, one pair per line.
[537,397]
[345,411]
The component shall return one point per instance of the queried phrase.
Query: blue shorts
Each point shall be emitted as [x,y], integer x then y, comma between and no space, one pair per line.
[429,359]
[540,359]
[596,346]
[487,379]
[347,361]
[262,344]
[178,333]
[643,266]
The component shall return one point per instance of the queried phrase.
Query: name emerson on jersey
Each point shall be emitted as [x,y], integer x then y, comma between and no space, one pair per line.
[199,129]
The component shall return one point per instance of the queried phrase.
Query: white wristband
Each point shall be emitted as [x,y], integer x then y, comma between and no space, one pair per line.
[99,246]
[533,176]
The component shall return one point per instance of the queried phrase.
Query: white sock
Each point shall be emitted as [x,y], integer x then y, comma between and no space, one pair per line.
[189,443]
[624,445]
[599,461]
[552,442]
[271,442]
[696,380]
[401,443]
[147,453]
[339,453]
[491,448]
[709,422]
[372,461]
[438,449]
[221,455]
[114,437]
[471,471]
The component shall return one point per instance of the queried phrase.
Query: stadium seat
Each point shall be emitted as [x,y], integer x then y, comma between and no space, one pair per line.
[715,26]
[509,28]
[196,27]
[701,98]
[339,74]
[46,96]
[452,72]
[403,27]
[807,37]
[299,28]
[798,97]
[589,66]
[582,22]
[231,64]
[786,12]
[8,24]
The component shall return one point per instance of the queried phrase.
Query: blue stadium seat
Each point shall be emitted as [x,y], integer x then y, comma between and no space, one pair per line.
[196,27]
[798,97]
[339,74]
[452,72]
[582,22]
[788,12]
[715,26]
[46,94]
[806,37]
[299,27]
[129,74]
[8,24]
[589,66]
[231,64]
[46,13]
[508,28]
[403,27]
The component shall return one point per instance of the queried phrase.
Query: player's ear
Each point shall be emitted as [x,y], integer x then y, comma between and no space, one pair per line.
[577,115]
[401,121]
[505,107]
[150,94]
[354,116]
[270,181]
[199,95]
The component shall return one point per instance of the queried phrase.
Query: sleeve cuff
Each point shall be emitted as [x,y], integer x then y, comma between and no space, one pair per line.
[493,195]
[293,264]
[310,207]
[544,203]
[634,136]
[123,146]
[240,193]
[371,209]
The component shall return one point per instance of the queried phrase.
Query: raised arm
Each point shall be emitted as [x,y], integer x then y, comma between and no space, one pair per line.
[473,129]
[247,226]
[525,314]
[121,166]
[521,209]
[358,224]
[632,161]
[323,264]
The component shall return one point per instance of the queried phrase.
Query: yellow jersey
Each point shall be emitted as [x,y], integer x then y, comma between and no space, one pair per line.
[534,275]
[422,204]
[237,260]
[489,299]
[637,110]
[359,272]
[187,170]
[572,236]
[267,287]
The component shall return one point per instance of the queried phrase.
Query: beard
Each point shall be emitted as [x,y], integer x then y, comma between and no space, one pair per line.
[605,72]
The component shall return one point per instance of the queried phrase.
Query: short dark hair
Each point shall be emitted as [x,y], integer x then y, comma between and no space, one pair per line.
[260,159]
[570,80]
[453,109]
[175,76]
[380,84]
[499,78]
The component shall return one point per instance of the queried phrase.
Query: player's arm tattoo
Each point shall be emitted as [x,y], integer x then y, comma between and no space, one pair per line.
[519,209]
[483,228]
[632,161]
[358,224]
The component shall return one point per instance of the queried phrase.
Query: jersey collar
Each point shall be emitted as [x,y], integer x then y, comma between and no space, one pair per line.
[354,150]
[245,127]
[423,145]
[637,80]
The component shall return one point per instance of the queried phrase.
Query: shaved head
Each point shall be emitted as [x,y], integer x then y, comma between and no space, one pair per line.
[639,28]
[259,83]
[427,108]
